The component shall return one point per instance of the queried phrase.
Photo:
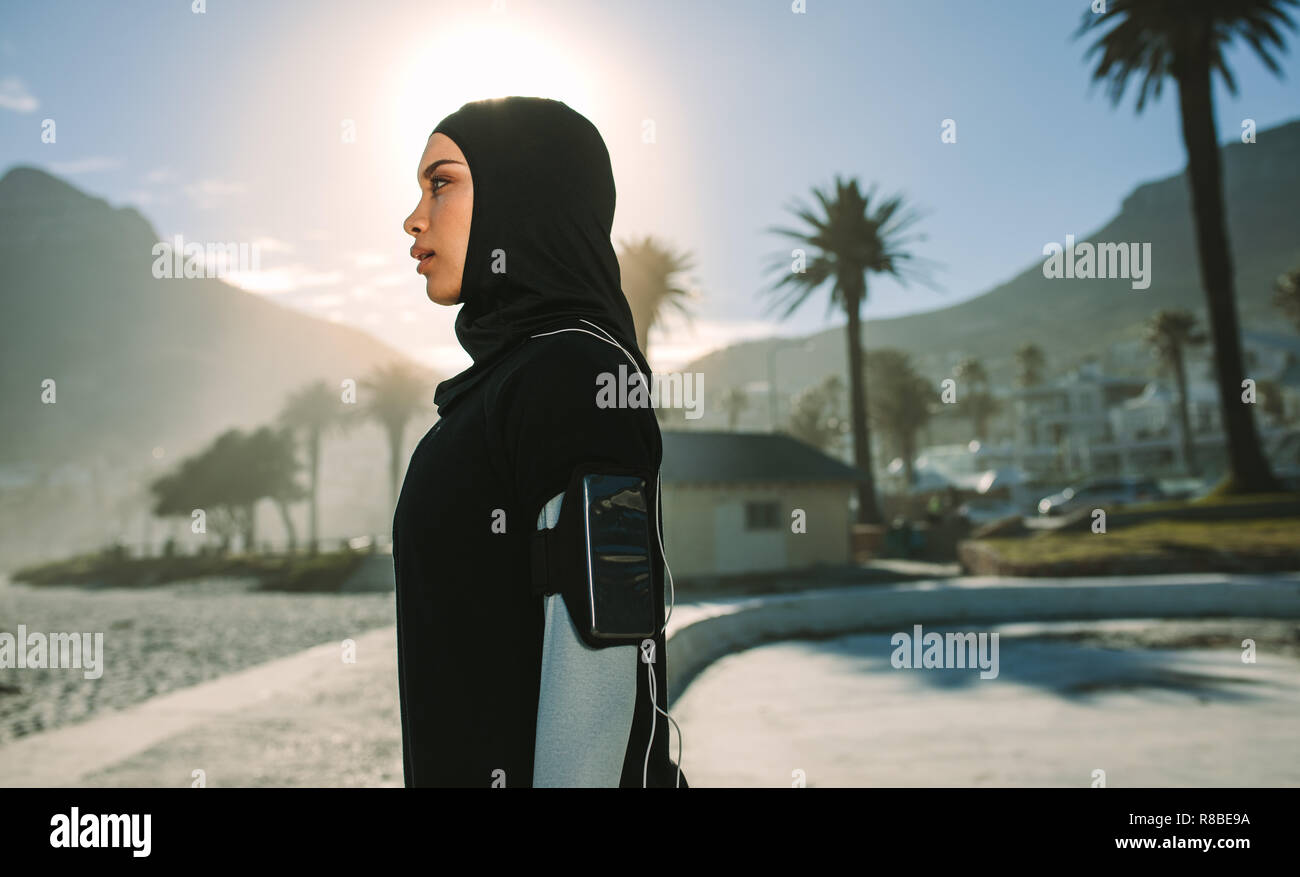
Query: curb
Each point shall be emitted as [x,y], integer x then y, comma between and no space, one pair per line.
[722,629]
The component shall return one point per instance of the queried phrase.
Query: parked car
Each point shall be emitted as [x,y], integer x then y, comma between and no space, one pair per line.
[1098,492]
[980,510]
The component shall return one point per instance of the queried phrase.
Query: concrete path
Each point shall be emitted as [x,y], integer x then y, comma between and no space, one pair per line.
[1057,712]
[313,720]
[227,726]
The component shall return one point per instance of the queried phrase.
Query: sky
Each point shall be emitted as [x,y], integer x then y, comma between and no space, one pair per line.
[297,126]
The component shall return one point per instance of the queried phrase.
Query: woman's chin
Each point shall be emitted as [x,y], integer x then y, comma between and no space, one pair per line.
[443,297]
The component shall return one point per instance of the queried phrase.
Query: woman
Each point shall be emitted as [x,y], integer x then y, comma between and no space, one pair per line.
[497,688]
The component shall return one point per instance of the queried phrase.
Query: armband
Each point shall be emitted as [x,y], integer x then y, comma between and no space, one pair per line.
[600,555]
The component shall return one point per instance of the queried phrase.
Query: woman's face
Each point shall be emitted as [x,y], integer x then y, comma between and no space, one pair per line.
[440,222]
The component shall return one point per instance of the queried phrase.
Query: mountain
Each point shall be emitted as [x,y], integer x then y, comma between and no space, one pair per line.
[1069,319]
[138,362]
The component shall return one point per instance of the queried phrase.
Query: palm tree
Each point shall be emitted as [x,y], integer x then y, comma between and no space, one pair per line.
[1271,400]
[833,387]
[1030,364]
[814,418]
[900,403]
[1169,333]
[1286,296]
[649,272]
[314,411]
[854,235]
[1185,40]
[271,467]
[975,399]
[397,393]
[220,481]
[733,401]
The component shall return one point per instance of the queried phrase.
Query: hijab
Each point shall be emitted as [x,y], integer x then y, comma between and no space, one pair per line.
[539,255]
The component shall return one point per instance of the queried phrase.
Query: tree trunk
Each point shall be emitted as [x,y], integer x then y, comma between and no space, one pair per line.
[250,528]
[868,511]
[225,525]
[287,519]
[1248,470]
[981,416]
[908,441]
[1180,373]
[314,453]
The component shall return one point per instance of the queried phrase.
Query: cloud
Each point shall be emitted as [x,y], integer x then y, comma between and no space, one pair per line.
[267,244]
[15,96]
[286,278]
[209,193]
[326,300]
[142,197]
[160,175]
[369,259]
[391,279]
[84,165]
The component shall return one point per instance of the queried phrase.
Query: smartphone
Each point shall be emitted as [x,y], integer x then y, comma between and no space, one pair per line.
[620,571]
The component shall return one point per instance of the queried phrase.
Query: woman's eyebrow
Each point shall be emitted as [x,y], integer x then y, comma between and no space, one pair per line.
[427,173]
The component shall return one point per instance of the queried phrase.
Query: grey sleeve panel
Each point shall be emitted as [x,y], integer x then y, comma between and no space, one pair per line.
[587,699]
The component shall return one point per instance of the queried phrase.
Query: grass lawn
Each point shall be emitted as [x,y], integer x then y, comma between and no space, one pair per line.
[1263,536]
[1213,499]
[324,571]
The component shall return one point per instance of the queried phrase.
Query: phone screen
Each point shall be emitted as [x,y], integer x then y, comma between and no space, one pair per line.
[618,551]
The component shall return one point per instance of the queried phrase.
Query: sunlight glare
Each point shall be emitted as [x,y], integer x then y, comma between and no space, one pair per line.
[475,61]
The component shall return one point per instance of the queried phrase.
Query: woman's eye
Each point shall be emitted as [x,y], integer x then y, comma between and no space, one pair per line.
[433,184]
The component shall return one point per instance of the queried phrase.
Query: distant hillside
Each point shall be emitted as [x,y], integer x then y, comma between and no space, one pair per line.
[1071,319]
[141,363]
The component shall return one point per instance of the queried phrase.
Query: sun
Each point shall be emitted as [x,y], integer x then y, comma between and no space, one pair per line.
[490,58]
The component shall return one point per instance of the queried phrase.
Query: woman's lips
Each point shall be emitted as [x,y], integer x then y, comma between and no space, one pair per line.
[424,260]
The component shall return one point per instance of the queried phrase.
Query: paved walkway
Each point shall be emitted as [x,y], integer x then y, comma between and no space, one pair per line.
[1056,712]
[831,709]
[306,720]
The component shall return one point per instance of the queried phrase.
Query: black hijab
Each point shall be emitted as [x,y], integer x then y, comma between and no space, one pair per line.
[543,207]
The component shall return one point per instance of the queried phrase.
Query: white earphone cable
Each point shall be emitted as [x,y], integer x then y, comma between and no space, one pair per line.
[609,339]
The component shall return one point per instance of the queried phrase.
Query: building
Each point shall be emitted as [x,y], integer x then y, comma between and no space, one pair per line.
[1275,356]
[735,502]
[1148,433]
[1064,425]
[1089,423]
